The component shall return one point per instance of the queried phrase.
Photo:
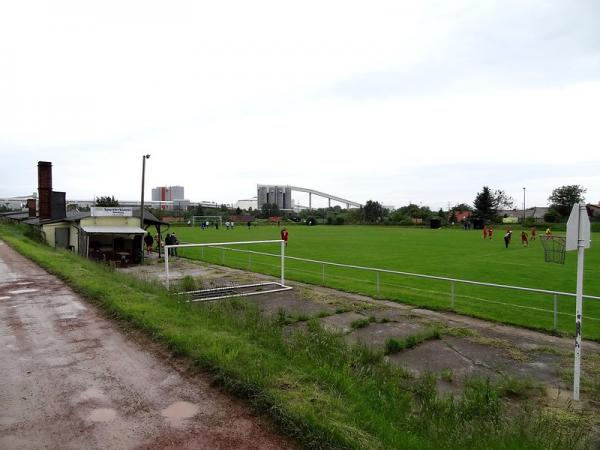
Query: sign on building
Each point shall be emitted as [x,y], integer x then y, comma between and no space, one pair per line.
[98,211]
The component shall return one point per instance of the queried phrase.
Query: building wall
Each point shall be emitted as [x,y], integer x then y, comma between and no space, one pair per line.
[167,193]
[50,232]
[280,195]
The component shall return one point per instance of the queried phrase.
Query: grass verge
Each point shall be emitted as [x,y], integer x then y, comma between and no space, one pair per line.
[315,387]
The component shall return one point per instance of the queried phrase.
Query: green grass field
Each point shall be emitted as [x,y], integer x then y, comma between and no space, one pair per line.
[444,252]
[315,387]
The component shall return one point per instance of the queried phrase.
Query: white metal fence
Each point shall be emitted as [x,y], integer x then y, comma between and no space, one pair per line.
[320,274]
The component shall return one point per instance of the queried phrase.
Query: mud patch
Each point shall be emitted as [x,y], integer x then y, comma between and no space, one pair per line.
[7,421]
[102,415]
[180,410]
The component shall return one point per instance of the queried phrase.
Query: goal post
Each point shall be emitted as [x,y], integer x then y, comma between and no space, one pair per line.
[200,219]
[261,286]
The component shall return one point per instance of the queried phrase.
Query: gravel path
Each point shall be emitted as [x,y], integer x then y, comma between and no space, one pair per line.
[73,379]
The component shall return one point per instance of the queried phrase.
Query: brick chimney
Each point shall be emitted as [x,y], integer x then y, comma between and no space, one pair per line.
[31,206]
[45,189]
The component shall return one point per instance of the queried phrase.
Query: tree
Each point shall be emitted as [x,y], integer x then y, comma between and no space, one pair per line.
[270,210]
[461,207]
[374,212]
[563,198]
[487,203]
[107,201]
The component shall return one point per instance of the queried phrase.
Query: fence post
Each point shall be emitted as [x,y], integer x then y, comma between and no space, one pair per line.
[249,261]
[452,294]
[555,312]
[283,263]
[223,255]
[377,281]
[167,266]
[323,272]
[202,248]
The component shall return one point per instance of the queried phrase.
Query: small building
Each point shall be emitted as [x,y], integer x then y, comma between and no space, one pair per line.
[103,234]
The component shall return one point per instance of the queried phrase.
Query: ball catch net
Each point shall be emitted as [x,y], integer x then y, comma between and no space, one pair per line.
[554,249]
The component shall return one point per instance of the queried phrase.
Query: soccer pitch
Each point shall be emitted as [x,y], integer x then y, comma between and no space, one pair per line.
[453,253]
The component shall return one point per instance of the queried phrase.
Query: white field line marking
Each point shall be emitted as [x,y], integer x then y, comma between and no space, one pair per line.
[22,291]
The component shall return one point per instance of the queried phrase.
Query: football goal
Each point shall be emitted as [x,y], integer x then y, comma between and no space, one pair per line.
[210,285]
[199,220]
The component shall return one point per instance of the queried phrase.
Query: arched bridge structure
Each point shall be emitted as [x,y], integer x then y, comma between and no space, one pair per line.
[329,197]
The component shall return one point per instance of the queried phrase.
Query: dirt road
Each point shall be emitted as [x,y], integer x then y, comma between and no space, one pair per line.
[72,379]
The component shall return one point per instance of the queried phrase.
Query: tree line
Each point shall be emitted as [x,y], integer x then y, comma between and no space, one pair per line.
[487,205]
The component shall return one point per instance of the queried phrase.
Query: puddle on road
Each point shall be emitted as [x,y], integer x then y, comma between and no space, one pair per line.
[180,410]
[102,415]
[4,297]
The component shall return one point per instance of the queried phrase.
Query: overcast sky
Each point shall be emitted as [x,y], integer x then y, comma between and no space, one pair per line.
[396,101]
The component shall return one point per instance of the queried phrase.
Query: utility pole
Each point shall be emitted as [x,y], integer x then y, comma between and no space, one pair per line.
[144,158]
[523,206]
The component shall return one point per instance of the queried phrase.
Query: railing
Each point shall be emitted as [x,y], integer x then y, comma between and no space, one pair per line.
[321,276]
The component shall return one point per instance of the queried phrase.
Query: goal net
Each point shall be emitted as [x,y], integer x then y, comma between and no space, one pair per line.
[202,283]
[210,220]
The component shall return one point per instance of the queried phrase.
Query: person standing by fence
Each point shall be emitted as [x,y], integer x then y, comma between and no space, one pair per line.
[148,240]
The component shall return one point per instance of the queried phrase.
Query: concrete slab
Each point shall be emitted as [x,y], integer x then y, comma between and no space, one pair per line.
[391,314]
[341,323]
[271,304]
[375,335]
[536,366]
[435,356]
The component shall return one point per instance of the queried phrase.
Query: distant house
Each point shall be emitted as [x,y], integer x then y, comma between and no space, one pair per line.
[593,211]
[462,215]
[515,215]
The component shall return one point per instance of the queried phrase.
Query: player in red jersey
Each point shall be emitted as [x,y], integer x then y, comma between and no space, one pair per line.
[284,235]
[533,233]
[524,241]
